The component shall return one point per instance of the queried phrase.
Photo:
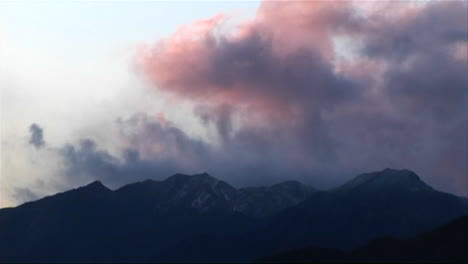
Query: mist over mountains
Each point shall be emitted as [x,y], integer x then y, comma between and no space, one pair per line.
[107,108]
[198,218]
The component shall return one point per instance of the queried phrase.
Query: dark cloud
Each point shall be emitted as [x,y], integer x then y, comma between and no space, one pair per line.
[420,31]
[284,105]
[152,150]
[257,68]
[37,136]
[424,77]
[155,150]
[275,90]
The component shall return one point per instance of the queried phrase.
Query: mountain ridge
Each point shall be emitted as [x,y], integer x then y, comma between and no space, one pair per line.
[200,218]
[387,178]
[352,183]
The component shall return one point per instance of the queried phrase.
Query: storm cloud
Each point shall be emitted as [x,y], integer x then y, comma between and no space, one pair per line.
[393,96]
[307,90]
[152,149]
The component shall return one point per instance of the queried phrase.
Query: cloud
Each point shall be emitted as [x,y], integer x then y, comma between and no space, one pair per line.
[37,136]
[394,96]
[265,66]
[151,148]
[307,90]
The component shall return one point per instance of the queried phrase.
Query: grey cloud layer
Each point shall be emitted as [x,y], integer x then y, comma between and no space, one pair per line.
[283,107]
[157,150]
[401,103]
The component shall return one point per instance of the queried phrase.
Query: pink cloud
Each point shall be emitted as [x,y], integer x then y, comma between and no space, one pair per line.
[281,75]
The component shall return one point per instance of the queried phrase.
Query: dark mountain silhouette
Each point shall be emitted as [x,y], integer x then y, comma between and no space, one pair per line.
[386,203]
[262,201]
[133,222]
[203,193]
[393,203]
[447,243]
[200,218]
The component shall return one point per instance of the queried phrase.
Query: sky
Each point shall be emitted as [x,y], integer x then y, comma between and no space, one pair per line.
[251,92]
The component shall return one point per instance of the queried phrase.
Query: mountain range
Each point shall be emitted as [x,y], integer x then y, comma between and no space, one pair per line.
[198,218]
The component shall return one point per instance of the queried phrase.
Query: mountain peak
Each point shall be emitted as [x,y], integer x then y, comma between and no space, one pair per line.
[204,177]
[95,185]
[400,175]
[386,179]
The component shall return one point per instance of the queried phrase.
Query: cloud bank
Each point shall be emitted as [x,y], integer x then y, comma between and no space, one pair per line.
[332,86]
[313,91]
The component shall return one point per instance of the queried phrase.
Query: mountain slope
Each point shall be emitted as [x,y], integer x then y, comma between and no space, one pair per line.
[262,201]
[387,203]
[446,243]
[63,223]
[200,192]
[93,223]
[203,193]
